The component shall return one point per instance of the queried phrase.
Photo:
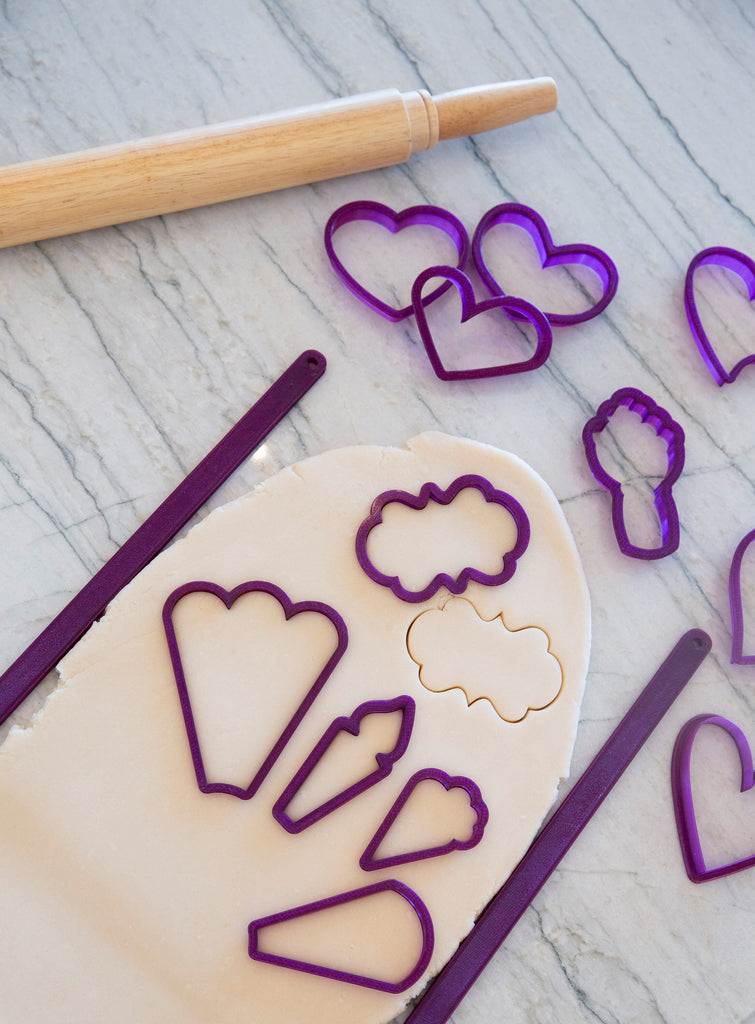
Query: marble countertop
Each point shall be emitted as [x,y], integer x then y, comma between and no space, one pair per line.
[127,352]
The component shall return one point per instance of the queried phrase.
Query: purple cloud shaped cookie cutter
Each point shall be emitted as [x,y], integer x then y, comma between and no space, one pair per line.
[744,267]
[514,308]
[370,862]
[430,216]
[665,427]
[351,724]
[550,254]
[432,492]
[290,609]
[681,788]
[423,916]
[738,657]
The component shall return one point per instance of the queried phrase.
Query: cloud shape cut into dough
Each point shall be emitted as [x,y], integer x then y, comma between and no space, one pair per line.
[457,649]
[474,530]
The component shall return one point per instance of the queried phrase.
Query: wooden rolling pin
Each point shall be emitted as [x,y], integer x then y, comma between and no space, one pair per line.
[112,184]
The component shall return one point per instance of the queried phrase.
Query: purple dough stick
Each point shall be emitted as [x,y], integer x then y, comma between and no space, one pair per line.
[44,653]
[738,657]
[562,829]
[351,724]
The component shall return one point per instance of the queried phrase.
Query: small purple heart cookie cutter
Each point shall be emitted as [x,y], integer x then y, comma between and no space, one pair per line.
[738,657]
[290,609]
[430,216]
[444,496]
[389,885]
[551,255]
[681,788]
[743,267]
[665,427]
[515,309]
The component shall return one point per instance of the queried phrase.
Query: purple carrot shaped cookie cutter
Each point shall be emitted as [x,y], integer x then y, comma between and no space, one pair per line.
[389,885]
[551,255]
[429,216]
[738,657]
[432,492]
[290,609]
[744,267]
[681,788]
[352,724]
[665,427]
[515,309]
[369,860]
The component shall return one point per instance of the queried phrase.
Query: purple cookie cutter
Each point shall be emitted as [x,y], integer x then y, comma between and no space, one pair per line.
[681,788]
[423,916]
[432,492]
[290,609]
[551,255]
[370,862]
[665,427]
[351,724]
[430,216]
[743,267]
[738,657]
[514,308]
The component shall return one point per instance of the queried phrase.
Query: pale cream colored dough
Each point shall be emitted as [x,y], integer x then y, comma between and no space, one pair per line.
[127,892]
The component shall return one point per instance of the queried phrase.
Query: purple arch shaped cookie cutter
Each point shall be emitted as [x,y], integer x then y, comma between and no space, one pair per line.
[738,657]
[681,788]
[744,267]
[666,427]
[551,255]
[351,724]
[290,609]
[432,492]
[423,915]
[369,862]
[432,216]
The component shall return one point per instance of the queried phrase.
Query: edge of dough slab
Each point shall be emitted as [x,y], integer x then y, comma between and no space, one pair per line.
[127,892]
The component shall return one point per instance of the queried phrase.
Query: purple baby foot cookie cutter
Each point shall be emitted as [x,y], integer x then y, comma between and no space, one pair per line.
[290,608]
[744,267]
[681,788]
[365,209]
[444,496]
[665,427]
[738,657]
[392,885]
[350,724]
[514,308]
[551,255]
[370,862]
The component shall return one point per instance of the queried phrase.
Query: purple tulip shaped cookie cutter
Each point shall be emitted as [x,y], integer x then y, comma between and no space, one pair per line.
[551,255]
[514,308]
[389,885]
[665,427]
[444,496]
[681,788]
[290,609]
[738,657]
[431,216]
[744,267]
[370,862]
[385,761]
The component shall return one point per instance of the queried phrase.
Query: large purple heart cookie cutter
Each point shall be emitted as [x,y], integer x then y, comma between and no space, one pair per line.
[351,724]
[738,657]
[423,916]
[444,496]
[681,788]
[744,267]
[290,609]
[424,215]
[369,861]
[514,308]
[551,255]
[665,427]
